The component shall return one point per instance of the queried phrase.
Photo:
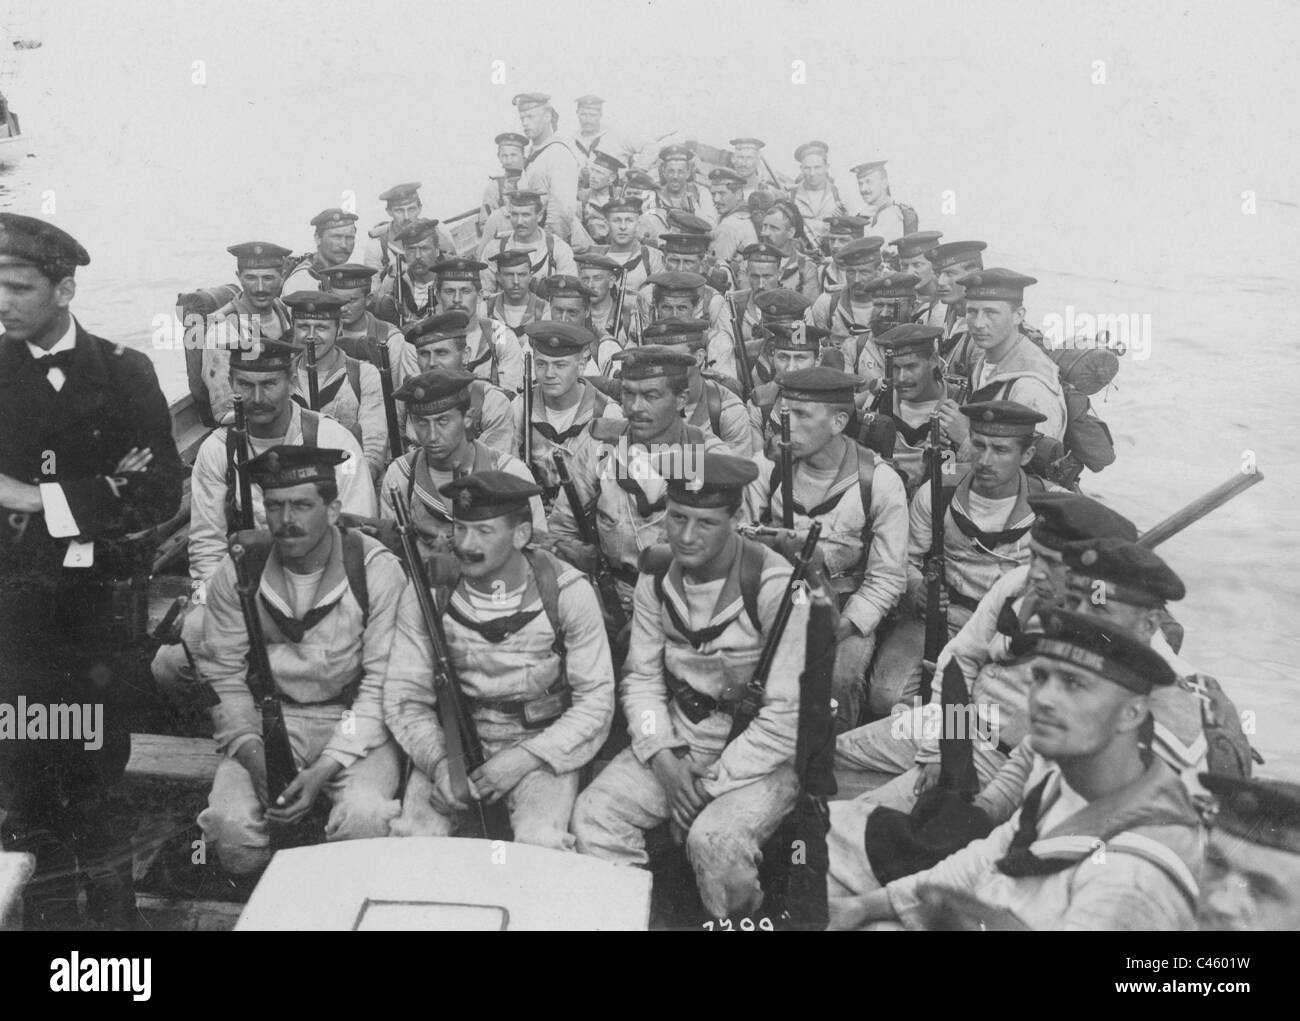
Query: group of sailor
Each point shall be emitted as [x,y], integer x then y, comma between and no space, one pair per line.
[593,465]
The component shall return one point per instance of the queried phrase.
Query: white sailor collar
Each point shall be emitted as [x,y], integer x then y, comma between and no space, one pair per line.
[274,587]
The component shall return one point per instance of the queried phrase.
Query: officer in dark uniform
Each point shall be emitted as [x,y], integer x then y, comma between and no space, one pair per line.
[86,460]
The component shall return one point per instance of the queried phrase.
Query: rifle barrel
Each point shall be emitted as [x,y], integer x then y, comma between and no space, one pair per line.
[752,700]
[397,288]
[606,586]
[617,322]
[245,483]
[575,501]
[526,442]
[743,369]
[313,377]
[787,472]
[280,768]
[384,365]
[787,604]
[936,618]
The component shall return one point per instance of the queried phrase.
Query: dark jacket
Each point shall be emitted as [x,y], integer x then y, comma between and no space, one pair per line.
[75,437]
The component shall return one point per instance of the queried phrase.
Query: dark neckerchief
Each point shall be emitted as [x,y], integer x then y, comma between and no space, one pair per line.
[968,528]
[831,502]
[291,627]
[1019,861]
[644,507]
[709,633]
[912,435]
[496,630]
[557,437]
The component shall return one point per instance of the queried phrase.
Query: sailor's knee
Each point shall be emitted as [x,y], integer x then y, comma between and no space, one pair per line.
[425,824]
[726,869]
[543,833]
[235,834]
[359,814]
[418,817]
[584,817]
[592,816]
[712,846]
[170,666]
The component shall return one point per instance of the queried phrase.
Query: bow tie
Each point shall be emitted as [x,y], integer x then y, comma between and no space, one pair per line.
[61,360]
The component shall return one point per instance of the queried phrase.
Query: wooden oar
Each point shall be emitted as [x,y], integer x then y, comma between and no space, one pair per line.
[1198,508]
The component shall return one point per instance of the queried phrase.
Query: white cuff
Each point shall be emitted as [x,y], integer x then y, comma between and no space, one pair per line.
[58,515]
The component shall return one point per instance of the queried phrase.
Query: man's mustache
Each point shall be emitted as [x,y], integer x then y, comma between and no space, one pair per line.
[468,556]
[290,532]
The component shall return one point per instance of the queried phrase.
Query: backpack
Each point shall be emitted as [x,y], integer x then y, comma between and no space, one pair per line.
[1083,372]
[608,386]
[1087,440]
[257,544]
[488,328]
[1227,749]
[364,348]
[910,220]
[292,262]
[713,401]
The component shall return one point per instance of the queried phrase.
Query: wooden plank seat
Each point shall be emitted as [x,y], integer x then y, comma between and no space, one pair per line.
[163,757]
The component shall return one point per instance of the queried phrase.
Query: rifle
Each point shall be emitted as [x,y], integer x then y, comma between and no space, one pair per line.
[397,288]
[464,748]
[801,890]
[238,518]
[936,619]
[752,700]
[313,378]
[395,445]
[605,582]
[526,441]
[616,322]
[772,174]
[787,471]
[885,395]
[280,770]
[741,353]
[958,388]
